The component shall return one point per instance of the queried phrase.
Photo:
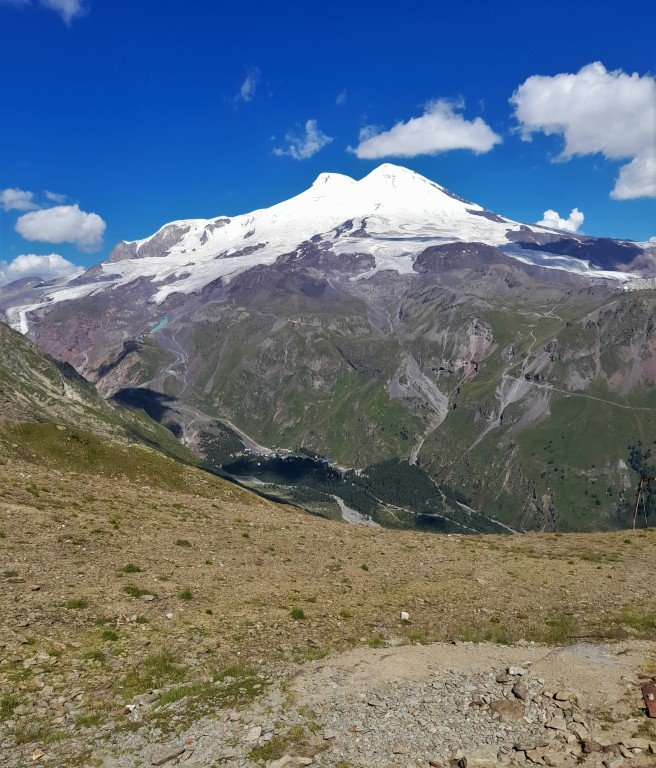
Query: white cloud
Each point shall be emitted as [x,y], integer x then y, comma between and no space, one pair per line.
[440,129]
[637,178]
[63,224]
[14,199]
[30,265]
[249,86]
[67,9]
[54,197]
[302,146]
[341,98]
[553,219]
[596,111]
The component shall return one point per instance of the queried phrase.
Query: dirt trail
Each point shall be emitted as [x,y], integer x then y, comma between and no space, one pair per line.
[415,705]
[598,674]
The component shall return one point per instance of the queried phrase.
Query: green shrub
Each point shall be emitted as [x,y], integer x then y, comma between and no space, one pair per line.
[131,568]
[133,590]
[76,603]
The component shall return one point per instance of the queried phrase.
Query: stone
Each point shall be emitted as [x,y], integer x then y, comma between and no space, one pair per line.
[516,671]
[520,690]
[405,616]
[642,744]
[562,696]
[557,724]
[530,744]
[483,757]
[556,759]
[508,710]
[166,754]
[282,762]
[578,730]
[254,733]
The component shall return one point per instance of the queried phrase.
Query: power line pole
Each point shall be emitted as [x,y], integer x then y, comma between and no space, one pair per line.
[644,480]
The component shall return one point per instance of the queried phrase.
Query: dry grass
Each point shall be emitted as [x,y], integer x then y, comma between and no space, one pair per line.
[294,588]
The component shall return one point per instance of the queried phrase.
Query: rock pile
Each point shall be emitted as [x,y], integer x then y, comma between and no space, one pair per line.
[453,719]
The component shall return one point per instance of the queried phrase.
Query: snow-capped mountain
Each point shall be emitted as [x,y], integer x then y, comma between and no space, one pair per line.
[379,319]
[392,215]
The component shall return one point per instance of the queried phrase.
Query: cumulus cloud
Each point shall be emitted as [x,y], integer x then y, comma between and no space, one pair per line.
[63,224]
[441,128]
[249,86]
[596,111]
[67,9]
[637,178]
[14,199]
[304,145]
[553,219]
[30,265]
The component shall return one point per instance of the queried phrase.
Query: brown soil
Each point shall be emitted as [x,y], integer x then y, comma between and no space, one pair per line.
[236,579]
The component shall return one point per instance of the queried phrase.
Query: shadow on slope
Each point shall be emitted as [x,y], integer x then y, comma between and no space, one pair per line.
[155,404]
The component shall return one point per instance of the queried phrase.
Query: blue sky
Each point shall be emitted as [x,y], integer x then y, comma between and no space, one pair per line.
[135,110]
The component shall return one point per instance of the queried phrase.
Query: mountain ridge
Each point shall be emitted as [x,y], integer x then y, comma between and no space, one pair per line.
[382,343]
[392,214]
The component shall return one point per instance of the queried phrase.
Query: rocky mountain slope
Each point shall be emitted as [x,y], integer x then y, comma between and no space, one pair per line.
[50,412]
[381,320]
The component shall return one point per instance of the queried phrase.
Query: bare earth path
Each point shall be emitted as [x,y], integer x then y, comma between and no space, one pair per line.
[424,706]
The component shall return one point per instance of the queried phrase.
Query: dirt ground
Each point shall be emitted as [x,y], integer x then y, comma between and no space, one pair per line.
[602,678]
[102,575]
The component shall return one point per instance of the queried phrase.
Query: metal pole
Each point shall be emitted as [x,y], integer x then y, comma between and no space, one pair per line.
[637,503]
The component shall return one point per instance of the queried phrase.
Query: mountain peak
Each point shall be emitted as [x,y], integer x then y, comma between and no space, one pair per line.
[408,182]
[325,180]
[383,175]
[390,171]
[388,174]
